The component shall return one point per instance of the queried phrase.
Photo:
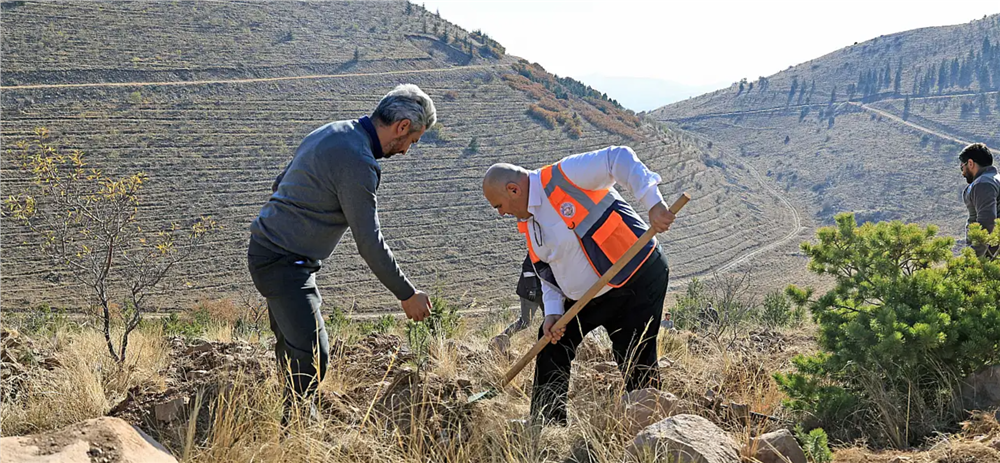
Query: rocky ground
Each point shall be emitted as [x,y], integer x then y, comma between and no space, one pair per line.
[387,393]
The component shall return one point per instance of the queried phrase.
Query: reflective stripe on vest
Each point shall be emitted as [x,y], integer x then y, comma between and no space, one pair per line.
[605,225]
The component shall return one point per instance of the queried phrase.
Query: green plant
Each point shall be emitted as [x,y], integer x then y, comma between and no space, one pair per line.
[685,313]
[337,320]
[473,147]
[814,444]
[777,311]
[191,325]
[442,323]
[905,321]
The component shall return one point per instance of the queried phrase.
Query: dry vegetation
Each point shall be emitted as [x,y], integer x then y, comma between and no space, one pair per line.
[381,401]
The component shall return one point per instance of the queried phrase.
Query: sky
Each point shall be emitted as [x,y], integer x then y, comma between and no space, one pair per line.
[691,46]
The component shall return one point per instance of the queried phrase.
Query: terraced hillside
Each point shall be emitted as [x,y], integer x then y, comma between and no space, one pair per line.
[211,99]
[875,127]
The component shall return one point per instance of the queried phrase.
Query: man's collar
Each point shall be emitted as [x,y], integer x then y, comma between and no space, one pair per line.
[535,191]
[366,123]
[984,170]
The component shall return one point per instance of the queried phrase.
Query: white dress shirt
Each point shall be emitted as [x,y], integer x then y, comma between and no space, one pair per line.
[559,246]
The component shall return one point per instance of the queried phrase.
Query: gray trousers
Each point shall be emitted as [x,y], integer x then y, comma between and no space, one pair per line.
[527,310]
[302,347]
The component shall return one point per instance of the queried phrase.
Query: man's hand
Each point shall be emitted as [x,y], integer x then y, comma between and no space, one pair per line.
[660,217]
[554,334]
[417,307]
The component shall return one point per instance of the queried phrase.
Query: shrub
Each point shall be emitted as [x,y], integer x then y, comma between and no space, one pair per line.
[473,147]
[90,224]
[543,116]
[814,444]
[904,322]
[777,311]
[442,323]
[436,133]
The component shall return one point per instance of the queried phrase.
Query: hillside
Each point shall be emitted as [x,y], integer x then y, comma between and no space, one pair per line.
[211,99]
[874,127]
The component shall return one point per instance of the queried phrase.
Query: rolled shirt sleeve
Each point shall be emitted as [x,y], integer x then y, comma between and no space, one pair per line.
[616,164]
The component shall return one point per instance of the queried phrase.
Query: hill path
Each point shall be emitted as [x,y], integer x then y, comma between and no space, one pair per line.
[908,123]
[251,80]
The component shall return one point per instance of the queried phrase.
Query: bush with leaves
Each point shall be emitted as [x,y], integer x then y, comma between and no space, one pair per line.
[88,223]
[904,323]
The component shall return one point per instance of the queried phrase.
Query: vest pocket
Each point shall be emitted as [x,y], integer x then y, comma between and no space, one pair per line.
[614,237]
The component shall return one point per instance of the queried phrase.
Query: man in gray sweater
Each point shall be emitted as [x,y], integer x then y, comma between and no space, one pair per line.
[982,196]
[327,187]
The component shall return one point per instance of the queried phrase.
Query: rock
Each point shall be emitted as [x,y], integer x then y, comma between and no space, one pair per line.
[500,344]
[644,407]
[596,346]
[199,349]
[981,390]
[170,410]
[684,439]
[778,447]
[739,412]
[99,439]
[606,367]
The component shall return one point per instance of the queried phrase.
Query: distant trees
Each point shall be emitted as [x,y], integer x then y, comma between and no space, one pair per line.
[791,92]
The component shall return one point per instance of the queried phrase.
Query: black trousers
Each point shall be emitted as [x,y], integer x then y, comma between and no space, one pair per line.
[288,282]
[631,315]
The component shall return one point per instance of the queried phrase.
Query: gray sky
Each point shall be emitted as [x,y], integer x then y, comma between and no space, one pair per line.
[692,44]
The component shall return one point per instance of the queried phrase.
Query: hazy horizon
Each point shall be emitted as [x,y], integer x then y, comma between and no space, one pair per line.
[692,47]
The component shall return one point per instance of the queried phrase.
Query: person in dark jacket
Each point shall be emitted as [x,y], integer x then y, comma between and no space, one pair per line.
[982,196]
[329,187]
[529,290]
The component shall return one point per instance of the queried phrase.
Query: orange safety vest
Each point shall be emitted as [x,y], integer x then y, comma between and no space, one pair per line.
[605,225]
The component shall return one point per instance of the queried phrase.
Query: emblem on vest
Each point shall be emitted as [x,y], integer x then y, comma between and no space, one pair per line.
[567,209]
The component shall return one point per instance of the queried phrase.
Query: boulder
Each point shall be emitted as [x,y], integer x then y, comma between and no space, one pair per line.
[981,390]
[644,407]
[101,439]
[606,367]
[778,447]
[684,439]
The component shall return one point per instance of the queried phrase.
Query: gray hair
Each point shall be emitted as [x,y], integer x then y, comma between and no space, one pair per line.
[406,101]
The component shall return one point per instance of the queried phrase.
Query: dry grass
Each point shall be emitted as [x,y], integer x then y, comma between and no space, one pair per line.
[239,420]
[86,382]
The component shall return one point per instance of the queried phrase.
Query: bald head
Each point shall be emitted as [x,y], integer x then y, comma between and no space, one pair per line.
[505,186]
[499,175]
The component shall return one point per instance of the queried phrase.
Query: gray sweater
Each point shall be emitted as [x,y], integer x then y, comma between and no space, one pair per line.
[982,198]
[329,186]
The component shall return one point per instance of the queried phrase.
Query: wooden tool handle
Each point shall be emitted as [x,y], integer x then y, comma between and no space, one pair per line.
[601,283]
